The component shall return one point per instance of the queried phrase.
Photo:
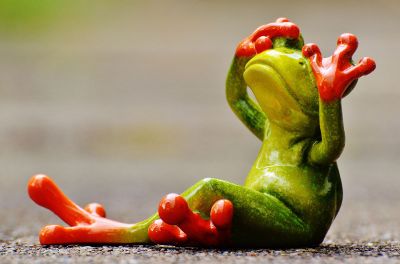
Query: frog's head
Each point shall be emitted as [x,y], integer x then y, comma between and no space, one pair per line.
[280,77]
[284,85]
[283,73]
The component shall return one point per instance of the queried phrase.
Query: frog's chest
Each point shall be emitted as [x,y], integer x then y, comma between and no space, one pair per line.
[303,180]
[283,172]
[302,187]
[272,154]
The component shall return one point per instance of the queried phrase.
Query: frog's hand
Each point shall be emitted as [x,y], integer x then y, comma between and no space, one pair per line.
[236,88]
[88,225]
[336,76]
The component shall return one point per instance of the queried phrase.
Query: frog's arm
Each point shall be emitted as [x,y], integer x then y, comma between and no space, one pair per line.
[336,76]
[331,145]
[278,33]
[242,105]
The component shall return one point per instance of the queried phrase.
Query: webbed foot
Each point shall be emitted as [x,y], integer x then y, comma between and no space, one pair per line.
[88,225]
[181,226]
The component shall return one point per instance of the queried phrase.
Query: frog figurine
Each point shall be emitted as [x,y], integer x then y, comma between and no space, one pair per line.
[293,191]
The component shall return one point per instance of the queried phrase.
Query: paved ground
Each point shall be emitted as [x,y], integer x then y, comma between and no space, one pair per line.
[363,233]
[327,253]
[123,104]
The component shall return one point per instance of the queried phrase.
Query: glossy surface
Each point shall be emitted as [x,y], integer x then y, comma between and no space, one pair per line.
[293,191]
[179,225]
[335,74]
[87,225]
[261,39]
[163,233]
[301,127]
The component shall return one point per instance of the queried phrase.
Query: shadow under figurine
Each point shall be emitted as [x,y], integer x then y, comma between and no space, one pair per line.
[293,191]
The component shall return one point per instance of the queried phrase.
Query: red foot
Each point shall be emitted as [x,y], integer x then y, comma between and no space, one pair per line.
[261,39]
[88,225]
[335,74]
[179,225]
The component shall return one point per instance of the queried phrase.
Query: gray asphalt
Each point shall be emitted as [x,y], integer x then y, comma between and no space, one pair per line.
[363,233]
[372,252]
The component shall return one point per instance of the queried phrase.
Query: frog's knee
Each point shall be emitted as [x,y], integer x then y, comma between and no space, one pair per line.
[211,181]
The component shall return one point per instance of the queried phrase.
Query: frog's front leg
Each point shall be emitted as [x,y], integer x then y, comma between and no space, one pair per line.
[239,100]
[336,76]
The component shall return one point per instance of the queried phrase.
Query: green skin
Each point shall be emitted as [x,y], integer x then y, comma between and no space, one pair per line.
[293,191]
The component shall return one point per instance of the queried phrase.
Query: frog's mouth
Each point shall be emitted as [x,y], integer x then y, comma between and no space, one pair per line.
[269,87]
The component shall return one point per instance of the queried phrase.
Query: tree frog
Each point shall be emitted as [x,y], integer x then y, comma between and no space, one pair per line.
[293,191]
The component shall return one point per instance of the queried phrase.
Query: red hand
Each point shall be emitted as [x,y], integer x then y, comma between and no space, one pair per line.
[261,39]
[334,74]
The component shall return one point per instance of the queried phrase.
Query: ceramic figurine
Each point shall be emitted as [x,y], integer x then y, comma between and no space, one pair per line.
[293,191]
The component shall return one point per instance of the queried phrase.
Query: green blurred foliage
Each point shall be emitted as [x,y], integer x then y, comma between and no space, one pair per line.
[17,16]
[30,17]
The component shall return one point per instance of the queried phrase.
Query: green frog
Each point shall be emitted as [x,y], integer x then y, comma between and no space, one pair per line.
[293,191]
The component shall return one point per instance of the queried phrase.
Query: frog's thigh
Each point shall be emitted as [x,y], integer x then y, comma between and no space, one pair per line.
[259,219]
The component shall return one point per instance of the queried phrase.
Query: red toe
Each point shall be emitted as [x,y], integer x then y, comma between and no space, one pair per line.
[173,209]
[52,234]
[38,186]
[222,213]
[95,209]
[162,233]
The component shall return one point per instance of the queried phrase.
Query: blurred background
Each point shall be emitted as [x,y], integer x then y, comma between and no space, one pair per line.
[122,102]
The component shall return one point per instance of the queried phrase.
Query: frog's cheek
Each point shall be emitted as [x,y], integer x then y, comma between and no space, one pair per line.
[270,91]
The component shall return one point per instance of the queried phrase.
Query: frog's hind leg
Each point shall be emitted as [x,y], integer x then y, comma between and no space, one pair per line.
[87,225]
[259,220]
